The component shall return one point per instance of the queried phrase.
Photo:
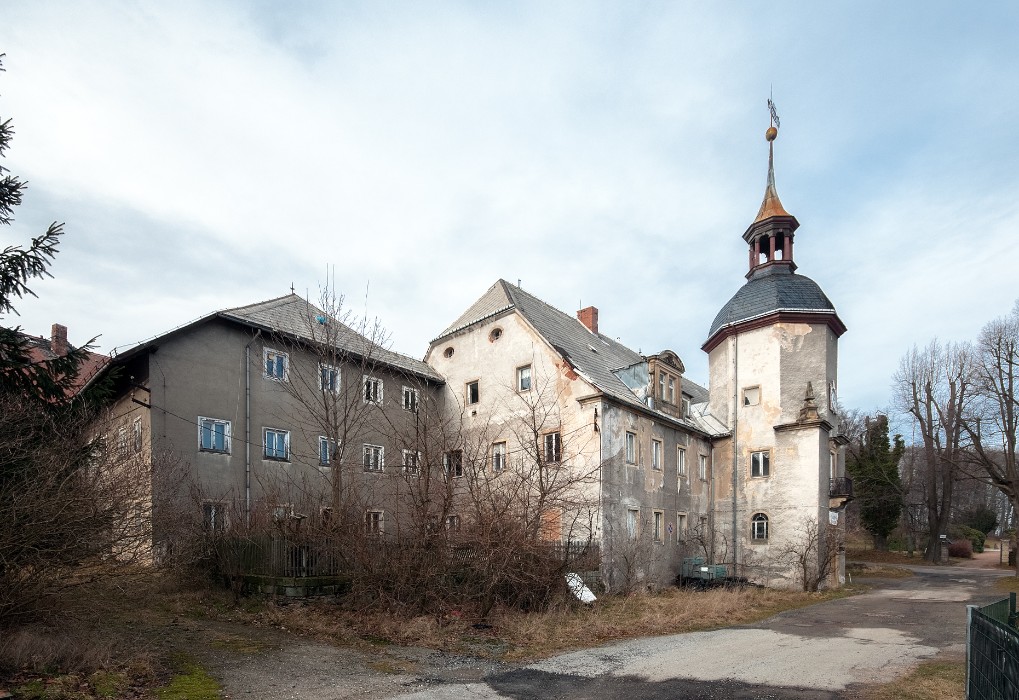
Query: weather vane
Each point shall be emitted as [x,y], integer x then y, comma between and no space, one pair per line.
[775,122]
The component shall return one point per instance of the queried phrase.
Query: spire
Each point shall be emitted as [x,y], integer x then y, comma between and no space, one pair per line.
[771,234]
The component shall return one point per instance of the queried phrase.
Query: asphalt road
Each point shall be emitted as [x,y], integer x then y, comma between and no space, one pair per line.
[826,651]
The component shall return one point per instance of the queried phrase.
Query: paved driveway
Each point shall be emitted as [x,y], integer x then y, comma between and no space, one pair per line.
[824,651]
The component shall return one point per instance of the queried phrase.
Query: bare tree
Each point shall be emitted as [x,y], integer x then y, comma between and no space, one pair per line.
[934,386]
[813,552]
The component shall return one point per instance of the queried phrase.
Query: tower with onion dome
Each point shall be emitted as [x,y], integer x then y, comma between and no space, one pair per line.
[773,361]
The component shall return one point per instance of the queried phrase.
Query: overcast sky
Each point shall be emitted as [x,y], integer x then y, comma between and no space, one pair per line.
[210,155]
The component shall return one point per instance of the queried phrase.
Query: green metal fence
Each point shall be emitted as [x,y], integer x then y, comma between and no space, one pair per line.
[992,651]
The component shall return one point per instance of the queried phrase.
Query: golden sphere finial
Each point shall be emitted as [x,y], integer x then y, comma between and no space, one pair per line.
[771,134]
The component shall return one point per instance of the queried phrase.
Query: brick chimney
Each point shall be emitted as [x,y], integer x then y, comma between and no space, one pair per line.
[58,340]
[589,317]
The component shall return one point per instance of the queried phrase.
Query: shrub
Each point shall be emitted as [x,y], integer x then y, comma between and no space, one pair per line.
[962,549]
[963,532]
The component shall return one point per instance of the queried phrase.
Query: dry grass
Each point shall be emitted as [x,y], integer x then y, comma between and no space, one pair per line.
[932,680]
[514,636]
[861,569]
[873,555]
[1007,584]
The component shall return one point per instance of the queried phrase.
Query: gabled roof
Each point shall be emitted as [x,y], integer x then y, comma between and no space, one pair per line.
[40,350]
[296,318]
[594,356]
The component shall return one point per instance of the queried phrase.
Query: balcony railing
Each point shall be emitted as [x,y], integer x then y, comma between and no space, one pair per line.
[841,487]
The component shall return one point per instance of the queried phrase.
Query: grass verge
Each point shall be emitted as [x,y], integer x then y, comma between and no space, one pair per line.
[190,682]
[931,680]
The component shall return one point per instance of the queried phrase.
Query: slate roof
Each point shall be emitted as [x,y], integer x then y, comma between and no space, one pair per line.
[594,356]
[772,289]
[293,316]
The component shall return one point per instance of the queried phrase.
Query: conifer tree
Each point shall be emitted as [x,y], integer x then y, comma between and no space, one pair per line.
[874,466]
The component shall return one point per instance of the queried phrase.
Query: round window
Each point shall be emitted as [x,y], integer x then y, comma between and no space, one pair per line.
[448,352]
[494,335]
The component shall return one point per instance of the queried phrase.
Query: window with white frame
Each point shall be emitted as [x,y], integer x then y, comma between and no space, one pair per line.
[524,378]
[327,451]
[498,456]
[453,464]
[760,464]
[680,527]
[702,467]
[685,407]
[276,444]
[553,448]
[411,462]
[276,364]
[681,462]
[671,397]
[472,393]
[328,378]
[752,396]
[372,387]
[214,517]
[373,458]
[832,465]
[374,521]
[631,448]
[633,523]
[661,385]
[410,399]
[136,429]
[656,455]
[213,435]
[759,527]
[659,525]
[453,523]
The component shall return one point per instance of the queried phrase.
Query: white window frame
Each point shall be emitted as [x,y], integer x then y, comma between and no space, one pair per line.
[215,518]
[680,462]
[633,523]
[410,399]
[374,522]
[685,407]
[371,390]
[656,455]
[411,462]
[373,458]
[524,378]
[658,525]
[552,447]
[499,456]
[760,527]
[277,435]
[280,365]
[760,464]
[333,374]
[453,523]
[630,448]
[327,450]
[672,390]
[702,467]
[205,420]
[472,399]
[453,464]
[680,527]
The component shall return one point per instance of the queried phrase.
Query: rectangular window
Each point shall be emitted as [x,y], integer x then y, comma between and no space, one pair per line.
[832,465]
[122,441]
[373,458]
[760,464]
[410,399]
[672,391]
[656,455]
[633,523]
[702,467]
[327,450]
[661,385]
[372,389]
[136,428]
[214,517]
[282,512]
[453,523]
[328,378]
[685,410]
[498,456]
[276,444]
[553,448]
[681,462]
[659,526]
[411,462]
[453,464]
[473,394]
[680,527]
[213,435]
[276,364]
[752,396]
[631,448]
[524,378]
[373,522]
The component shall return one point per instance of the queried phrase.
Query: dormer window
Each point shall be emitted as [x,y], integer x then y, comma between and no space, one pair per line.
[685,412]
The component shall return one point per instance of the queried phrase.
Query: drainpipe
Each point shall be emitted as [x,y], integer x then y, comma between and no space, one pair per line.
[735,450]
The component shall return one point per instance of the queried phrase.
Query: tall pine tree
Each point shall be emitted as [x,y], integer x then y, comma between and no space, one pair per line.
[874,466]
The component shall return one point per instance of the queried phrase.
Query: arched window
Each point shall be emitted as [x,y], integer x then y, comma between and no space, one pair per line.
[759,527]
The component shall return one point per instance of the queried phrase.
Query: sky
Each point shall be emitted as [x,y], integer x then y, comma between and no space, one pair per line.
[209,155]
